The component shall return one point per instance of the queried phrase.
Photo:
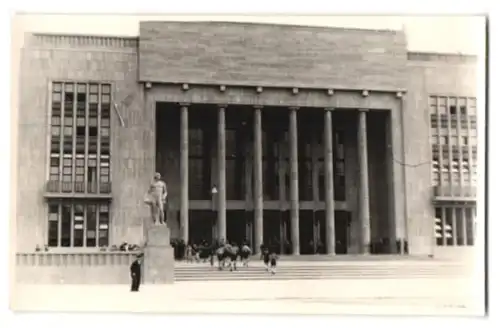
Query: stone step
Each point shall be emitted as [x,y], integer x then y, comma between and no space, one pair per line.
[279,276]
[256,271]
[284,266]
[349,258]
[332,269]
[310,276]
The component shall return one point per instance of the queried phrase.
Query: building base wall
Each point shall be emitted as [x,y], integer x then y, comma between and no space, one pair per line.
[92,268]
[466,253]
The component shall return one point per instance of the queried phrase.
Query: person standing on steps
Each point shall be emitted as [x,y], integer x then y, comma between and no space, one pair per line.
[135,273]
[233,254]
[245,254]
[273,259]
[265,255]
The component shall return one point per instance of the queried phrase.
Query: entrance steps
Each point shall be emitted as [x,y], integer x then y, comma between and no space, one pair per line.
[309,270]
[347,258]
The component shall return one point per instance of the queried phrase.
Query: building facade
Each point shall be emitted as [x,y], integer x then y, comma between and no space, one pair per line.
[317,139]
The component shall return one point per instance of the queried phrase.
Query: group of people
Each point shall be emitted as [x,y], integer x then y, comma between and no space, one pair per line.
[227,254]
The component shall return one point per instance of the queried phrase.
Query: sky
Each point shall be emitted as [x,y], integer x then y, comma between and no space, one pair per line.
[445,34]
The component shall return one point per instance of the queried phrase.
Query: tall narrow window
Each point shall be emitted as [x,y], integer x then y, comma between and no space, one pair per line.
[92,139]
[53,225]
[469,217]
[197,190]
[55,142]
[104,178]
[440,231]
[66,226]
[339,174]
[103,225]
[91,225]
[78,227]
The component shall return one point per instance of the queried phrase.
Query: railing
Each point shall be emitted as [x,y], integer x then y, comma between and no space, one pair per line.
[72,259]
[455,191]
[74,268]
[78,187]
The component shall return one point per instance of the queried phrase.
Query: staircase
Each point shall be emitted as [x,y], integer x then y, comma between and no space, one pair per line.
[313,270]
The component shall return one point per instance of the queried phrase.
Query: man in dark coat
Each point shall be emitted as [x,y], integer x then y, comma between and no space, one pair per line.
[135,273]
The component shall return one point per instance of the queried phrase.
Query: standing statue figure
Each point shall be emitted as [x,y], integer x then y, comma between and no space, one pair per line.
[156,199]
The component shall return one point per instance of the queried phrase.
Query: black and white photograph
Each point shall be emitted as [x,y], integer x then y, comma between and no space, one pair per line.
[259,164]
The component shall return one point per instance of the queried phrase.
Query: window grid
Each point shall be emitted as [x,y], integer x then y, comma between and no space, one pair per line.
[80,138]
[78,224]
[452,143]
[456,226]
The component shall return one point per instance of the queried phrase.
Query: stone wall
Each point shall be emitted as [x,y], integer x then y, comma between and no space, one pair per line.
[47,58]
[272,55]
[80,268]
[429,74]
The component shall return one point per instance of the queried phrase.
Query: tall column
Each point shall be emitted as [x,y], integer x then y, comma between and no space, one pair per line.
[221,163]
[294,182]
[329,185]
[184,206]
[364,192]
[258,193]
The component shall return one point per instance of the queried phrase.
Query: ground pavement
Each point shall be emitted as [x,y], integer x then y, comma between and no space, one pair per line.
[437,296]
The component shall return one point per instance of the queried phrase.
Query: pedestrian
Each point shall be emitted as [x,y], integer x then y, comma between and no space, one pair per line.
[265,255]
[135,273]
[273,259]
[220,252]
[245,254]
[233,255]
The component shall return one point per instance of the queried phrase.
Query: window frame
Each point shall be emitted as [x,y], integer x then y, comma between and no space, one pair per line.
[73,223]
[81,108]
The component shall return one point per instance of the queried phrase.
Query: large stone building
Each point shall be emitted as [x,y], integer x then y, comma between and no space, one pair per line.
[304,136]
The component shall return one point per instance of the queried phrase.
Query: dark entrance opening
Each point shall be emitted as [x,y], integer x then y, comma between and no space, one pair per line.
[320,230]
[342,228]
[236,226]
[306,231]
[272,229]
[201,226]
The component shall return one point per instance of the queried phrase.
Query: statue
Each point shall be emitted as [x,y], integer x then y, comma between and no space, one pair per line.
[156,199]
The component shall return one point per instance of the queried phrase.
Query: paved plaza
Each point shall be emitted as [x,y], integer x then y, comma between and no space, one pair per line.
[393,296]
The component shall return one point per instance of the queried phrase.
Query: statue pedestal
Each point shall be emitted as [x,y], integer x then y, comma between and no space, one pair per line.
[158,256]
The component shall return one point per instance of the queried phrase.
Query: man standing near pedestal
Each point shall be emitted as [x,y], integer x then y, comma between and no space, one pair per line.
[157,196]
[135,273]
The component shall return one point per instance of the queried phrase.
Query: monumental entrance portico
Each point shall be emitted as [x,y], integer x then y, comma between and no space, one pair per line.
[292,148]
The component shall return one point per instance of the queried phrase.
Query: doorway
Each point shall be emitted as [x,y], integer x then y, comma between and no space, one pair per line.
[342,228]
[201,226]
[272,229]
[306,231]
[237,226]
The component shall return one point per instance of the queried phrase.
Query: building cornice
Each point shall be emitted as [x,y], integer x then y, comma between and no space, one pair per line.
[441,57]
[46,40]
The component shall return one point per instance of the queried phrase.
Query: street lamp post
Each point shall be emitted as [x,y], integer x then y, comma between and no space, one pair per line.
[214,192]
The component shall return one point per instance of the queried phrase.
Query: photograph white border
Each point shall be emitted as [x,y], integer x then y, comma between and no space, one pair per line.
[256,6]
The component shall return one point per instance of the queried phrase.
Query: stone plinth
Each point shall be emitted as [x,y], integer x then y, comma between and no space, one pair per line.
[158,256]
